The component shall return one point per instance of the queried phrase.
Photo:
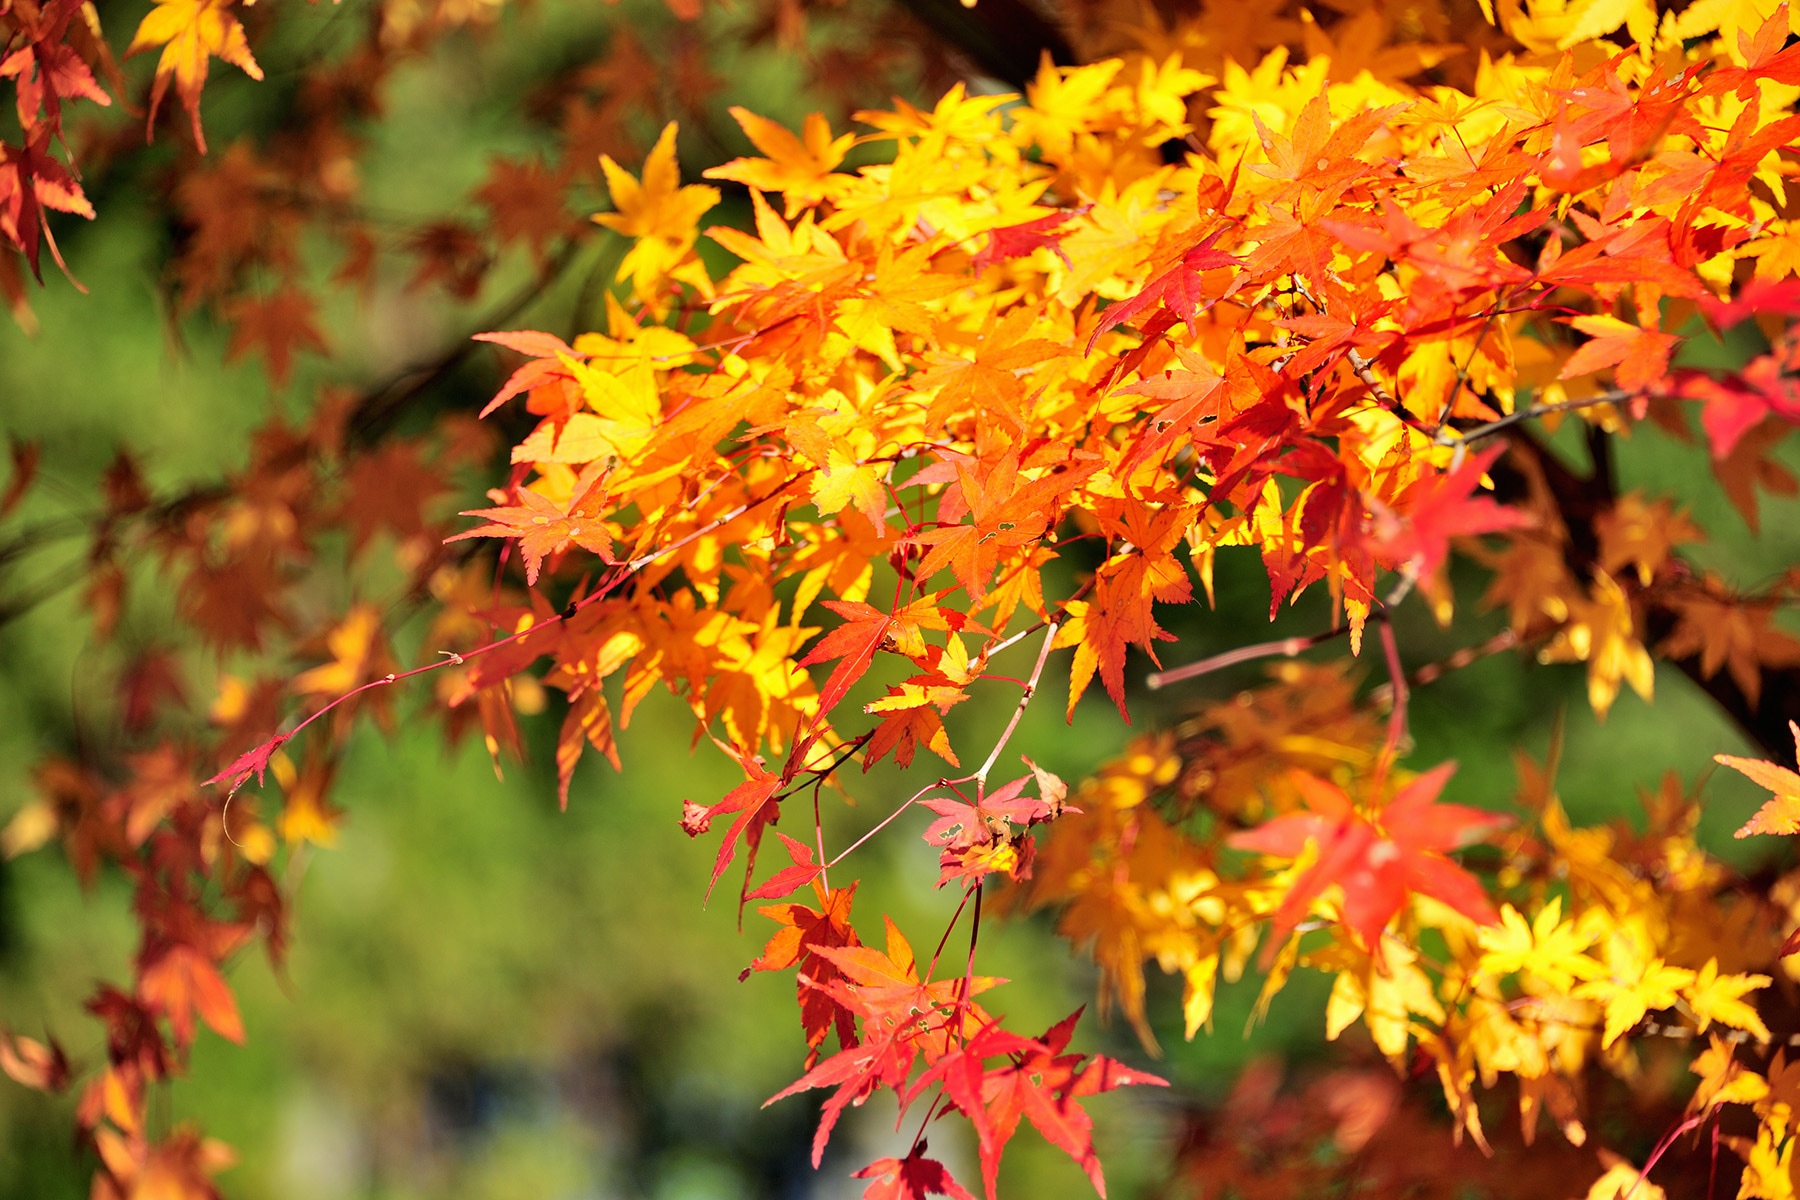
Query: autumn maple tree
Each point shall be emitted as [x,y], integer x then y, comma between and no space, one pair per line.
[976,396]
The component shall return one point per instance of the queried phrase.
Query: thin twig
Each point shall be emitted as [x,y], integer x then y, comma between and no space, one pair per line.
[884,823]
[1284,647]
[606,588]
[1037,670]
[1397,715]
[1464,437]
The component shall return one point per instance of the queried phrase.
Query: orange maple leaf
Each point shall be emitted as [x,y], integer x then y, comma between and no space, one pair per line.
[280,324]
[803,169]
[1781,813]
[1639,357]
[545,527]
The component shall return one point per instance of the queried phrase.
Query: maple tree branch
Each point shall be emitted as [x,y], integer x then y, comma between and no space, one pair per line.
[1037,670]
[1396,731]
[1284,647]
[257,759]
[885,822]
[1451,437]
[1431,672]
[968,980]
[943,941]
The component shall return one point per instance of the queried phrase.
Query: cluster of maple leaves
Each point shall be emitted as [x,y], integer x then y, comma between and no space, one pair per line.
[1015,383]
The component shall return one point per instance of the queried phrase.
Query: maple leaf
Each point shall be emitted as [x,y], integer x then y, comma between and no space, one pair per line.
[1550,948]
[1441,506]
[33,1063]
[884,1059]
[1716,997]
[306,815]
[1636,982]
[545,527]
[251,762]
[359,655]
[789,880]
[911,1178]
[452,253]
[389,489]
[192,33]
[1376,865]
[1732,632]
[1640,356]
[48,71]
[988,382]
[31,181]
[550,355]
[659,212]
[524,199]
[755,805]
[1781,814]
[587,723]
[980,837]
[1027,237]
[1181,288]
[181,982]
[280,324]
[803,169]
[884,988]
[1038,1082]
[909,727]
[855,642]
[804,930]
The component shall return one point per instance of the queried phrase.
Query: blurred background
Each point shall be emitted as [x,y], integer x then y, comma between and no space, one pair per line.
[488,999]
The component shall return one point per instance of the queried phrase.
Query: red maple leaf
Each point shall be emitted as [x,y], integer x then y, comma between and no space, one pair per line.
[1016,241]
[1376,865]
[789,880]
[755,805]
[250,762]
[911,1178]
[546,352]
[1439,507]
[857,1073]
[855,642]
[1181,288]
[280,324]
[1037,1081]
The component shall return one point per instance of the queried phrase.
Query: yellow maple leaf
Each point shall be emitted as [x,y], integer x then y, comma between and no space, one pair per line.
[1716,997]
[1624,1180]
[306,816]
[1729,18]
[192,33]
[357,651]
[1386,1000]
[843,480]
[1637,983]
[1768,1166]
[1549,948]
[1724,1080]
[658,211]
